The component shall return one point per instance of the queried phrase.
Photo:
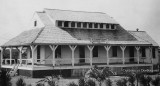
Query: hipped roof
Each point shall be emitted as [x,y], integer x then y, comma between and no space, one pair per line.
[51,34]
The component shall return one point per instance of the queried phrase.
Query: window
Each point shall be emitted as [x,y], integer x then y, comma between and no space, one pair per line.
[85,25]
[59,23]
[58,52]
[90,25]
[38,53]
[66,24]
[95,51]
[114,51]
[112,26]
[79,24]
[143,51]
[96,25]
[107,25]
[35,23]
[101,25]
[72,24]
[153,53]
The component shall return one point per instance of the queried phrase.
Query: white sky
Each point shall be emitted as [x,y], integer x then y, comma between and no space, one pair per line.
[15,15]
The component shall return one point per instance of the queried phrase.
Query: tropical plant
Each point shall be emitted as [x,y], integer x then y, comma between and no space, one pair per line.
[72,84]
[99,74]
[52,80]
[145,80]
[108,82]
[131,80]
[5,78]
[20,82]
[90,82]
[156,81]
[121,82]
[40,84]
[81,82]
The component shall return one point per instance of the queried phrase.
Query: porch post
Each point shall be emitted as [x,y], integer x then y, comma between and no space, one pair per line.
[1,56]
[150,48]
[123,49]
[107,53]
[53,48]
[73,47]
[20,55]
[10,50]
[137,48]
[33,47]
[90,47]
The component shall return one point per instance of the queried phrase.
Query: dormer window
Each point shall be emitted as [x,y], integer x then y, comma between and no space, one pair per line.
[96,25]
[85,25]
[90,25]
[79,25]
[101,25]
[112,26]
[60,23]
[35,23]
[72,24]
[107,25]
[66,24]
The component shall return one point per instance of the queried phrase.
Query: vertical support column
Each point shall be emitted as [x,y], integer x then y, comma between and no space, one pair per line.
[123,49]
[72,47]
[151,57]
[87,25]
[53,48]
[20,55]
[109,26]
[10,50]
[90,47]
[1,56]
[137,48]
[75,24]
[33,47]
[107,53]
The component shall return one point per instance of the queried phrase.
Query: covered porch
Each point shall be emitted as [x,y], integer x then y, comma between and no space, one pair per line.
[76,56]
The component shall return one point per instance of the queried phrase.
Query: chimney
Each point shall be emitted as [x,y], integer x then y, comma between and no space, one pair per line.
[137,29]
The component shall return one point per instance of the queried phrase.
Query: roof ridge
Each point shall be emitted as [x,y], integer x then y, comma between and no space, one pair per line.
[135,31]
[74,11]
[38,34]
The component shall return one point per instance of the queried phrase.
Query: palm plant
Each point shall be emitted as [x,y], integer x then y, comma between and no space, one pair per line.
[108,82]
[131,79]
[99,74]
[156,81]
[72,84]
[90,82]
[20,82]
[81,82]
[145,80]
[122,82]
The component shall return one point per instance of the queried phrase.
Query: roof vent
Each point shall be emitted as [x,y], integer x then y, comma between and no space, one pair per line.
[137,29]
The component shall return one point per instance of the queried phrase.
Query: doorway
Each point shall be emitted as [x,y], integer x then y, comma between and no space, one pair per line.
[81,54]
[131,53]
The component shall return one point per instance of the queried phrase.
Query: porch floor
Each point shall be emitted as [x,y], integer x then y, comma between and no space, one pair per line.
[76,66]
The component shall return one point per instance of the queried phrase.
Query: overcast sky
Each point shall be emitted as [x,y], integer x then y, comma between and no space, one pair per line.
[15,15]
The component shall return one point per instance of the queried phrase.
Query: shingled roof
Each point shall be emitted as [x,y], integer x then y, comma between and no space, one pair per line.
[51,34]
[81,16]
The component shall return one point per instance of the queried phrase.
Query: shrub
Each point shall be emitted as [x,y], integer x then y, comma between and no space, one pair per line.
[5,79]
[72,84]
[145,80]
[122,82]
[40,84]
[90,82]
[156,81]
[20,82]
[81,82]
[108,82]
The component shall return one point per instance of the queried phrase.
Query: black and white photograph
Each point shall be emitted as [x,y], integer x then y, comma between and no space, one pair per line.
[79,42]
